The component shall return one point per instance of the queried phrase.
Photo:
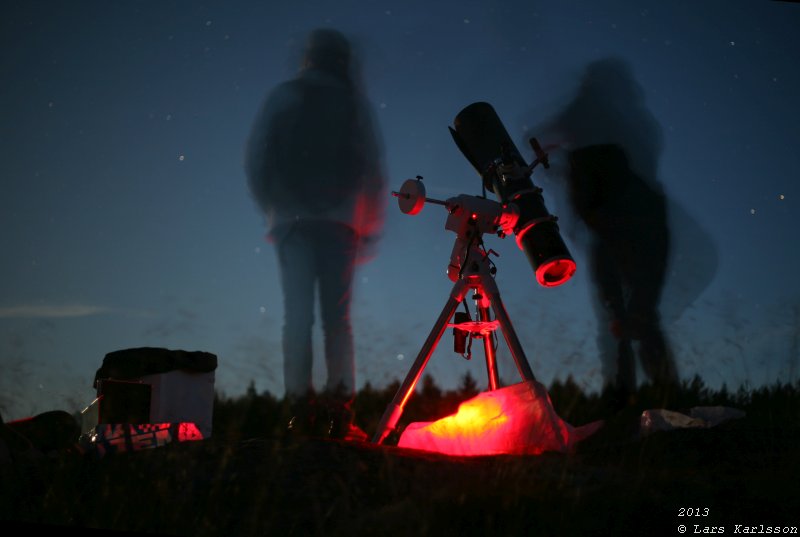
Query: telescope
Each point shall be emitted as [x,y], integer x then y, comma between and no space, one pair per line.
[484,141]
[519,210]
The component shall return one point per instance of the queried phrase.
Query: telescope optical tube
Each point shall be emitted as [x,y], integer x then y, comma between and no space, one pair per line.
[484,141]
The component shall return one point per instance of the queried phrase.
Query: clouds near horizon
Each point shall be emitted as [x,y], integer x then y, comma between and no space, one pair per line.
[51,311]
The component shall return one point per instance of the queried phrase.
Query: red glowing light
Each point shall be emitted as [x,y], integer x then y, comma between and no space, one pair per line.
[477,327]
[473,420]
[188,432]
[521,233]
[122,437]
[367,220]
[554,272]
[517,419]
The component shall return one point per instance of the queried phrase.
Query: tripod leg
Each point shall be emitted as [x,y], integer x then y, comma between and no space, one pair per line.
[395,409]
[491,290]
[488,350]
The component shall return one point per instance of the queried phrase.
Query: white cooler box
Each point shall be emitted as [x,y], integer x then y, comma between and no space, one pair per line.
[154,386]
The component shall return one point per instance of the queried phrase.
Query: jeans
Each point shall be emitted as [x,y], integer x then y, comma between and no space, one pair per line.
[629,275]
[317,253]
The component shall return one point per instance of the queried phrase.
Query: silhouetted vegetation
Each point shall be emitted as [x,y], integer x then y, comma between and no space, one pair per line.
[249,479]
[255,415]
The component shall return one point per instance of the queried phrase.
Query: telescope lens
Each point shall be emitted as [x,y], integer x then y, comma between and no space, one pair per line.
[555,272]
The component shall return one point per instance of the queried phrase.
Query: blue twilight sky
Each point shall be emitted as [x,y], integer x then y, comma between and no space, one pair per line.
[125,219]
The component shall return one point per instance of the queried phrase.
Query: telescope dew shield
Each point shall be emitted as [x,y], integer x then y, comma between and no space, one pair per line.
[484,141]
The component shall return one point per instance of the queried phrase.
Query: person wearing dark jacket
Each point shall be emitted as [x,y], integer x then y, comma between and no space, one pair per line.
[314,166]
[613,145]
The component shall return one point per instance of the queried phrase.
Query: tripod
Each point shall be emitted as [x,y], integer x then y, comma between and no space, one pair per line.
[475,274]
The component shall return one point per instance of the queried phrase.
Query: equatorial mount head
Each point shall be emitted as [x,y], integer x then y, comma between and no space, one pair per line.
[469,217]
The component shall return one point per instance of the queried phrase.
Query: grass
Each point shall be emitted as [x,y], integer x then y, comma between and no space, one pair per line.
[248,480]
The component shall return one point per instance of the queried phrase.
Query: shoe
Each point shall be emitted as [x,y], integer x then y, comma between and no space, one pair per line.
[341,424]
[338,419]
[302,418]
[298,426]
[312,419]
[355,434]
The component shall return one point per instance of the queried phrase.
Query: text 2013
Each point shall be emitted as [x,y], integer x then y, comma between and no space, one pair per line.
[693,511]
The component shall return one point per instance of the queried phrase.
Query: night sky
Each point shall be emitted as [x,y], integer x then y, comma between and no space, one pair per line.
[125,219]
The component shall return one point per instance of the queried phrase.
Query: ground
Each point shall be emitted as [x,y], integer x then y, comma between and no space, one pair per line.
[744,472]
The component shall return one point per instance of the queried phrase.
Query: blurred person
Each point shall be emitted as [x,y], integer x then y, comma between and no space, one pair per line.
[614,143]
[314,166]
